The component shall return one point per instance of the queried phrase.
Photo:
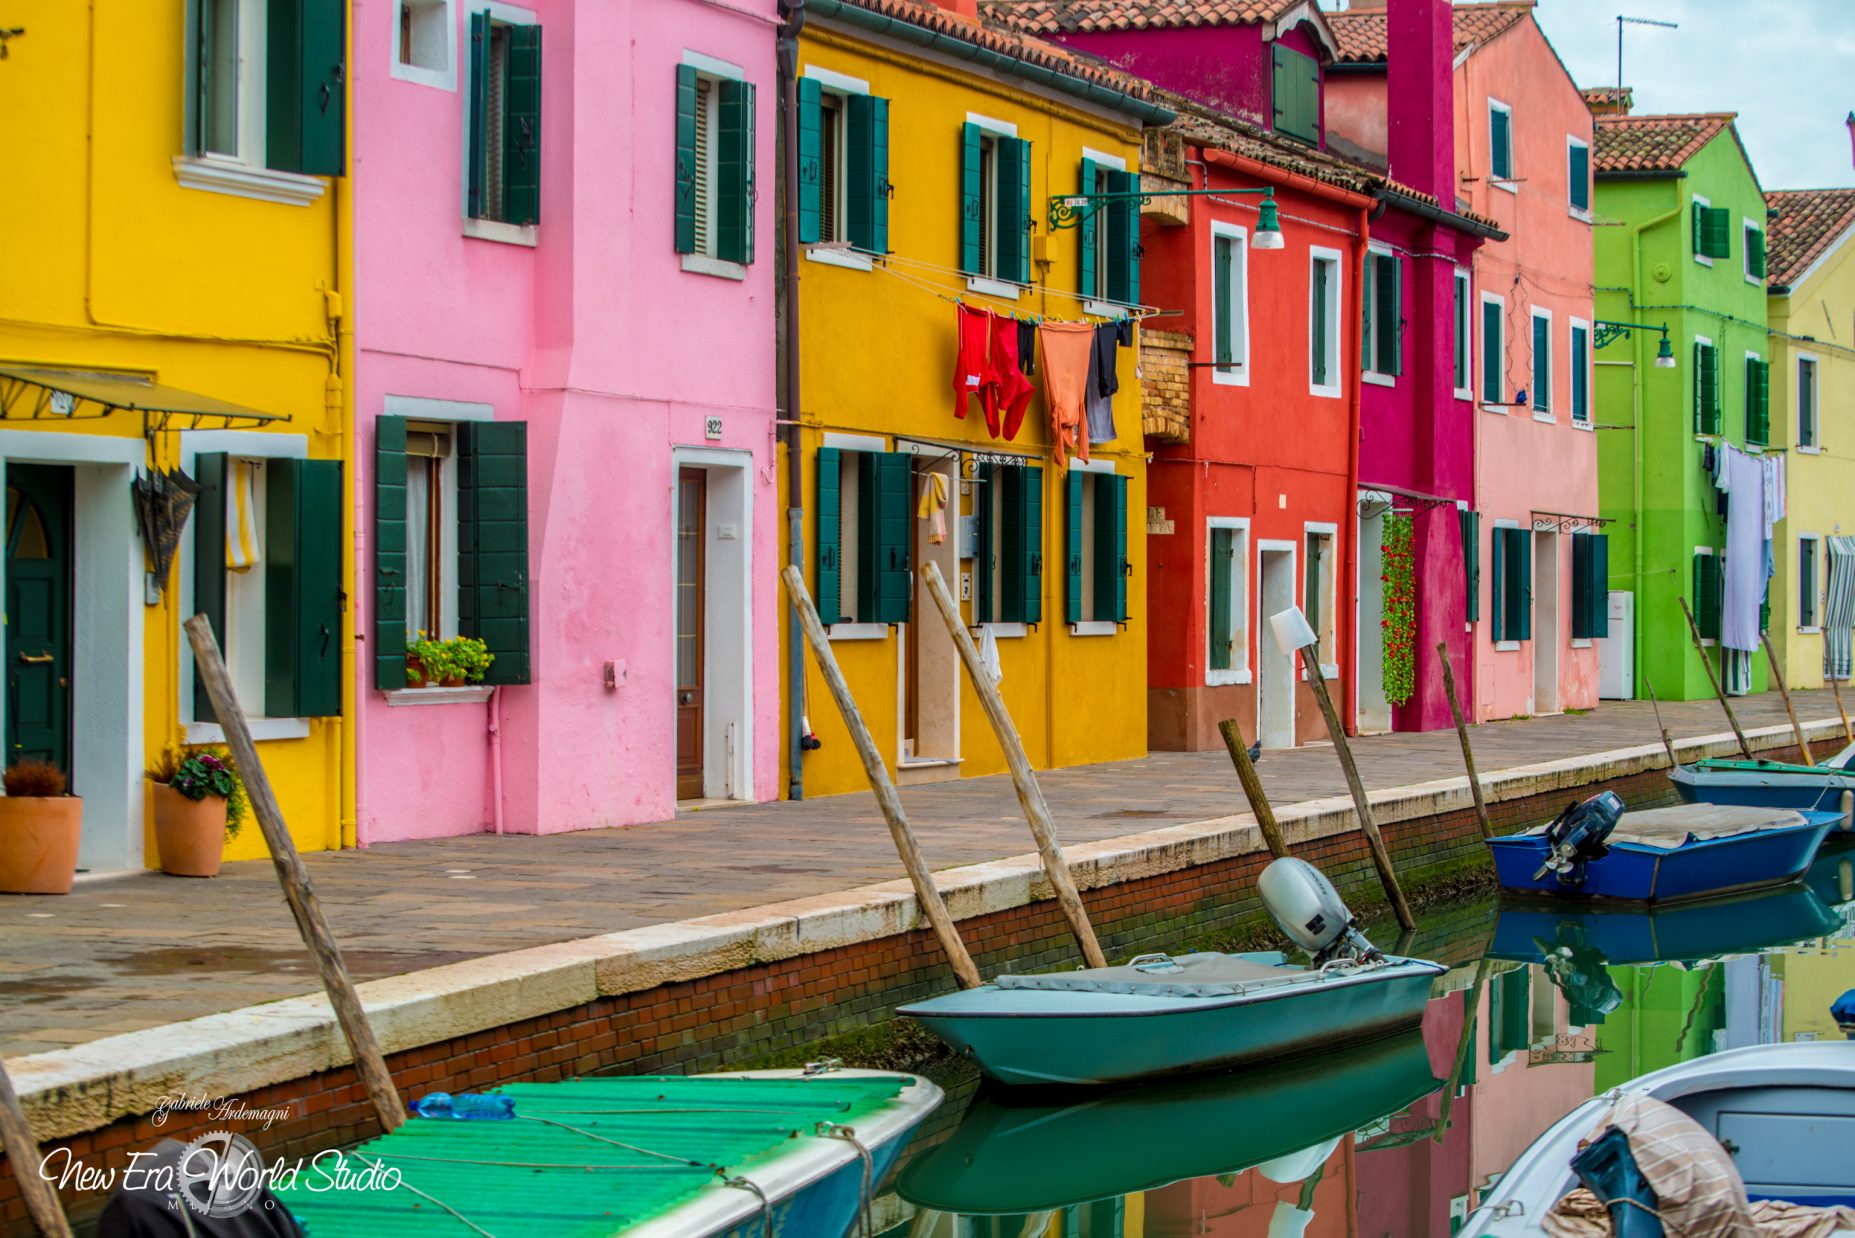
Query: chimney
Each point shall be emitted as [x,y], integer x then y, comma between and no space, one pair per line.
[1420,98]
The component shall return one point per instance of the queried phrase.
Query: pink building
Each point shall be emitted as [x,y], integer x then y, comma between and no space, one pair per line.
[564,409]
[1537,563]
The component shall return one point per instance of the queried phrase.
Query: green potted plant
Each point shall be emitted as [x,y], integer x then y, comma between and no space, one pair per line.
[199,802]
[39,829]
[428,662]
[471,657]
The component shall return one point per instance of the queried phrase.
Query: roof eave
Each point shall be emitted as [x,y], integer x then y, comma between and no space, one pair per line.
[1642,174]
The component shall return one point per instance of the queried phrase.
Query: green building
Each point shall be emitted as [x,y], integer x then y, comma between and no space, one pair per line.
[1680,243]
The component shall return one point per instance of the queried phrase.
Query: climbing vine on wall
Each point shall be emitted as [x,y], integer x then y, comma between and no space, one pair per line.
[1400,622]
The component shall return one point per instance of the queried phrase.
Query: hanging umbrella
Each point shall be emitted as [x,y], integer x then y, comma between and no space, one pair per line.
[163,501]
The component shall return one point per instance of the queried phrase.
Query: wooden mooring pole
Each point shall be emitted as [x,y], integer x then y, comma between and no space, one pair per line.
[1713,678]
[926,893]
[369,1063]
[1668,745]
[22,1152]
[1252,788]
[1784,694]
[1023,777]
[1835,686]
[1462,733]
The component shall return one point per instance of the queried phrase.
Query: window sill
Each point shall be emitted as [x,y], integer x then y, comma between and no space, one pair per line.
[831,256]
[1813,450]
[1465,394]
[1507,646]
[1105,309]
[1810,631]
[1703,259]
[702,264]
[1328,670]
[1223,679]
[1324,393]
[261,730]
[1507,184]
[1378,380]
[1003,631]
[1582,423]
[508,234]
[440,79]
[857,631]
[1757,281]
[929,762]
[1499,410]
[1583,216]
[1581,642]
[475,695]
[985,286]
[229,176]
[1235,376]
[1549,418]
[1094,627]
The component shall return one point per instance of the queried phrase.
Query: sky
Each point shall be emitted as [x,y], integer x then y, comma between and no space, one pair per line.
[1790,74]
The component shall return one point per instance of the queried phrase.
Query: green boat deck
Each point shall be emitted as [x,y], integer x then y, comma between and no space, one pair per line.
[582,1158]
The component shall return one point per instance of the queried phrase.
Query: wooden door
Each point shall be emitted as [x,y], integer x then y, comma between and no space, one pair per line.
[38,614]
[691,601]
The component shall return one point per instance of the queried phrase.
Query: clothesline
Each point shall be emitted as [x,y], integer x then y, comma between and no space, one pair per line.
[1136,312]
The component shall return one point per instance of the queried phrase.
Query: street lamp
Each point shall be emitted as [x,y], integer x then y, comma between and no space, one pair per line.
[1268,227]
[1608,331]
[1665,355]
[1071,210]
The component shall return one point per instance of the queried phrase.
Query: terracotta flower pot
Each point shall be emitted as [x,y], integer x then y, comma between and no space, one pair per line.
[38,843]
[189,834]
[454,681]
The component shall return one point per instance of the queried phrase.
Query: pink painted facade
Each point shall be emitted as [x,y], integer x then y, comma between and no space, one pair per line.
[589,328]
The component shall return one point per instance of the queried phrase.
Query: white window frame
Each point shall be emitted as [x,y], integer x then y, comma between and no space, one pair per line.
[1336,296]
[1465,334]
[1092,627]
[1480,369]
[1587,422]
[1239,672]
[1700,434]
[524,235]
[1746,228]
[1573,209]
[1101,307]
[864,443]
[1508,182]
[1499,594]
[1816,578]
[1694,241]
[993,285]
[714,71]
[1815,446]
[1707,642]
[1328,670]
[837,253]
[1369,345]
[444,20]
[991,495]
[1238,374]
[1546,414]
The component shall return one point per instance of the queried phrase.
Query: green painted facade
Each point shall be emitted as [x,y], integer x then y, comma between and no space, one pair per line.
[1650,438]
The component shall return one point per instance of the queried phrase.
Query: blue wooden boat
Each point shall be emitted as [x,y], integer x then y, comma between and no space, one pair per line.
[1662,854]
[1768,784]
[1620,934]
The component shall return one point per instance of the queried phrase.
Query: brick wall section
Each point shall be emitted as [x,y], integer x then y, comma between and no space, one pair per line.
[1165,385]
[737,1016]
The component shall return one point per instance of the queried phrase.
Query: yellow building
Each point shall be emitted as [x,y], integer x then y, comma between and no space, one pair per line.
[173,301]
[1811,282]
[930,147]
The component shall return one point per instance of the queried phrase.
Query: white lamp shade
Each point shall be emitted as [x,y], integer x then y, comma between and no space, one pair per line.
[1291,630]
[1268,240]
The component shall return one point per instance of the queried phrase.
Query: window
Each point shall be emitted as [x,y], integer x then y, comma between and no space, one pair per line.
[1706,387]
[423,42]
[1578,175]
[1317,593]
[450,541]
[1542,362]
[1465,383]
[1095,567]
[1469,523]
[1711,238]
[1581,372]
[995,203]
[1297,95]
[1324,296]
[1806,402]
[267,575]
[1230,302]
[265,83]
[715,188]
[1493,349]
[1709,592]
[1501,145]
[1755,254]
[1381,337]
[1758,399]
[1008,556]
[1512,604]
[1807,560]
[505,121]
[864,536]
[843,168]
[1109,235]
[1228,576]
[1590,586]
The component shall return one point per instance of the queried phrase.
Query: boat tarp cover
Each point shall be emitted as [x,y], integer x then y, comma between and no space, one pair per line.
[1196,975]
[1668,828]
[581,1158]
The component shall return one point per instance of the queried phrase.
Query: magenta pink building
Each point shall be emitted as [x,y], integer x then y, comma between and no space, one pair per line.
[564,409]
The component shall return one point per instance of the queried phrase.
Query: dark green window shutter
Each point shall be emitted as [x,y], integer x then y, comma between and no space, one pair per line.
[1072,548]
[1025,220]
[1707,595]
[1318,293]
[1806,582]
[1579,171]
[521,128]
[867,173]
[1581,374]
[828,576]
[688,85]
[1499,585]
[811,159]
[1542,364]
[986,479]
[1111,547]
[1389,312]
[1500,144]
[305,87]
[1090,282]
[1581,585]
[1310,591]
[1493,371]
[1719,226]
[1224,335]
[1698,224]
[1470,524]
[1297,94]
[1223,563]
[1758,401]
[303,589]
[1598,622]
[1464,381]
[492,559]
[734,173]
[884,577]
[198,53]
[478,162]
[972,202]
[1124,239]
[211,470]
[1521,560]
[1368,295]
[389,633]
[1755,253]
[1008,219]
[1022,569]
[1707,388]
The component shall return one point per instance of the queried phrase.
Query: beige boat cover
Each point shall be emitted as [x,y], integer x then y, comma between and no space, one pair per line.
[1667,828]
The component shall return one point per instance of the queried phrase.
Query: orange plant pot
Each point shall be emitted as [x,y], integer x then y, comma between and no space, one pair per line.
[189,834]
[38,843]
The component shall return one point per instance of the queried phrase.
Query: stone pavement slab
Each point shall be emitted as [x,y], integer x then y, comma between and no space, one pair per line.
[138,951]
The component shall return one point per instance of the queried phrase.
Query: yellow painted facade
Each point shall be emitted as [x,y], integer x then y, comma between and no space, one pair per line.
[115,265]
[878,356]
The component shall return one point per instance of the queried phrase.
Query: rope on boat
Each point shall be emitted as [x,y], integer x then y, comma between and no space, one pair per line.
[864,1202]
[748,1184]
[407,1186]
[617,1143]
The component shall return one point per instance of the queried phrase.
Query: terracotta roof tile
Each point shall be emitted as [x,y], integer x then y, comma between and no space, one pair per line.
[1808,223]
[1071,16]
[1607,94]
[1362,38]
[1653,143]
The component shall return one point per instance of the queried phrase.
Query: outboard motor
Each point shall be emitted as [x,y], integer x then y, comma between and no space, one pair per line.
[1578,835]
[1306,906]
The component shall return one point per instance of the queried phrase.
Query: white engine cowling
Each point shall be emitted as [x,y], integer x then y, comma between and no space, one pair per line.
[1305,905]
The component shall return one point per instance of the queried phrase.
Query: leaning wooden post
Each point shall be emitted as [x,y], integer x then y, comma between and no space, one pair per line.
[1464,1043]
[932,906]
[1668,745]
[1462,733]
[1784,694]
[369,1063]
[22,1152]
[1848,733]
[1252,788]
[1745,749]
[1030,795]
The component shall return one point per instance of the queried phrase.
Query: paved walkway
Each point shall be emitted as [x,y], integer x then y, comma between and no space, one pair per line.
[133,952]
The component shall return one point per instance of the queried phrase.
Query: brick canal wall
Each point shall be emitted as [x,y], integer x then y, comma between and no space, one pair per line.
[735,1015]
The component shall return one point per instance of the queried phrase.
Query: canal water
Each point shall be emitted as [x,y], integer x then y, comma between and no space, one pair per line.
[1541,1010]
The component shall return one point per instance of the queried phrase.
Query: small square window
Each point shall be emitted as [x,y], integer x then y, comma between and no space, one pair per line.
[426,35]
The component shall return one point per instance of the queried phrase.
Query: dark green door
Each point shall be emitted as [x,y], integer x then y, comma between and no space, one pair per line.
[38,614]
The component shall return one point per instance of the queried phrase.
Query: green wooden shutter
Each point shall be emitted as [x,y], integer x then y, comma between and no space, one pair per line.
[1317,324]
[1500,144]
[1072,549]
[1463,379]
[1498,607]
[1523,582]
[303,589]
[1223,640]
[1758,401]
[1755,253]
[867,173]
[1718,226]
[1390,314]
[211,471]
[985,479]
[1583,585]
[972,156]
[1224,335]
[305,87]
[1025,220]
[1542,364]
[828,570]
[734,167]
[1111,547]
[687,86]
[1367,298]
[1310,590]
[1470,524]
[1022,570]
[811,159]
[521,128]
[492,560]
[389,633]
[1493,372]
[1296,89]
[1090,282]
[1581,374]
[478,162]
[1707,595]
[883,488]
[1580,173]
[1008,217]
[1599,622]
[1124,239]
[1708,379]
